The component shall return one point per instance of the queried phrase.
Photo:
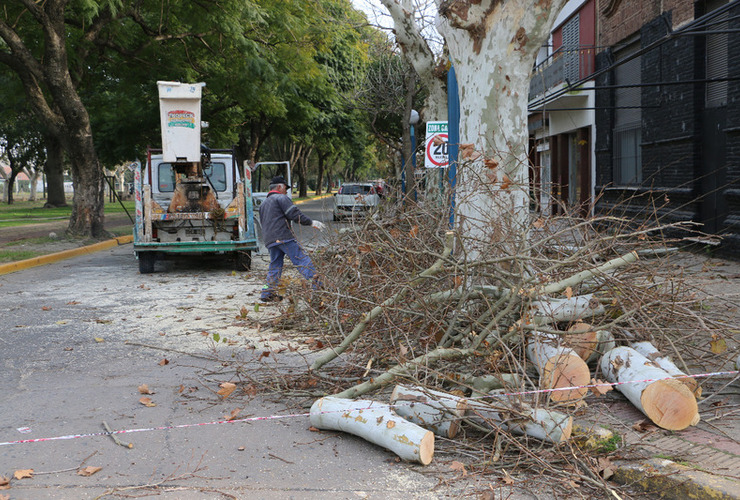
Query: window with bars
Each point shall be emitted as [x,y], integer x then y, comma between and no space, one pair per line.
[716,62]
[627,133]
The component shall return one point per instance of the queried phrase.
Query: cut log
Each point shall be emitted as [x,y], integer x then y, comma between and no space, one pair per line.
[588,342]
[558,366]
[486,383]
[653,354]
[543,312]
[545,425]
[668,403]
[437,411]
[374,422]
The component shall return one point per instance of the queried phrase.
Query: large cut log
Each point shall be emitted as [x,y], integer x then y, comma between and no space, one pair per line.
[545,425]
[588,342]
[434,410]
[653,354]
[664,400]
[559,366]
[543,312]
[374,422]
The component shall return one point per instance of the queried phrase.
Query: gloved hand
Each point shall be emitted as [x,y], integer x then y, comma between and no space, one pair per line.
[318,224]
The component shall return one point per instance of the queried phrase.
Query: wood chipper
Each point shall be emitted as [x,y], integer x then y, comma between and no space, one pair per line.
[191,199]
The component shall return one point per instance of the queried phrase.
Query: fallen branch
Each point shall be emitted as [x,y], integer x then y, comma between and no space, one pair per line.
[651,352]
[376,423]
[376,311]
[434,410]
[115,438]
[545,425]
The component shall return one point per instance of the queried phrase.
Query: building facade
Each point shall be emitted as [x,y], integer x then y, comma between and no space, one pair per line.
[657,110]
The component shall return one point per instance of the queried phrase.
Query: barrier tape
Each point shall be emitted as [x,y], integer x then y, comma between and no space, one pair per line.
[295,415]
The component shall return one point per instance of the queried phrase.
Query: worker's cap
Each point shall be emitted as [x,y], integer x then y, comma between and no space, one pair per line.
[279,180]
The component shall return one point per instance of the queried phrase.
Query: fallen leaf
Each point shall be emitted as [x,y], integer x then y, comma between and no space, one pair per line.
[490,163]
[147,402]
[88,471]
[144,389]
[264,354]
[314,429]
[718,344]
[72,303]
[569,292]
[601,387]
[605,467]
[414,231]
[505,182]
[46,308]
[164,361]
[539,223]
[507,479]
[642,426]
[458,466]
[226,389]
[99,339]
[23,473]
[365,248]
[233,414]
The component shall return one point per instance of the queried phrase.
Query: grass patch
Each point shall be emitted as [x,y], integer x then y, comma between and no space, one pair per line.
[16,255]
[33,212]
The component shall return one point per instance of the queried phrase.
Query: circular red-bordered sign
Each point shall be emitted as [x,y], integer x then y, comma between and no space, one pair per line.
[437,153]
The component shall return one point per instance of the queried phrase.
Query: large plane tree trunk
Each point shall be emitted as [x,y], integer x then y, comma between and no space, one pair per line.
[493,44]
[54,170]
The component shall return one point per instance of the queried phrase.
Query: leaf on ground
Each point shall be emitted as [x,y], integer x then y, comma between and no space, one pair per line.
[605,468]
[600,387]
[226,389]
[233,414]
[147,402]
[569,292]
[314,429]
[718,344]
[89,471]
[507,479]
[164,361]
[99,339]
[23,473]
[642,426]
[72,303]
[46,308]
[144,389]
[458,466]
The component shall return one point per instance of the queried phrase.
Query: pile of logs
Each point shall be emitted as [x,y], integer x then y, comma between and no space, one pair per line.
[567,361]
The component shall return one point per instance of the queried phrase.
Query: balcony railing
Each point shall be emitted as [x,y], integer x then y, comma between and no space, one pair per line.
[565,64]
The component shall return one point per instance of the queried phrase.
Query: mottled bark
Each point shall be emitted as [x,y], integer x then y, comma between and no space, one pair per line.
[54,170]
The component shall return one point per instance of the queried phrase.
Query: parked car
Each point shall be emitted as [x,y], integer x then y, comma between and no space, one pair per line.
[355,199]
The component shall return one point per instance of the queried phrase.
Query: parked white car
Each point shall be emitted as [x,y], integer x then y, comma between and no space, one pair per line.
[355,199]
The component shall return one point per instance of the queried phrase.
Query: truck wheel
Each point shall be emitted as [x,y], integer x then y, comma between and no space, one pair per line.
[243,260]
[146,262]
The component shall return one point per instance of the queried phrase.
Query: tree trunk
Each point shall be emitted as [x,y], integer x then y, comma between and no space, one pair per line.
[545,425]
[502,37]
[559,367]
[320,174]
[649,351]
[665,401]
[437,411]
[54,168]
[377,423]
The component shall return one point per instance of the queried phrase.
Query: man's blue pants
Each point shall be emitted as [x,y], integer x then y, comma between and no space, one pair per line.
[277,255]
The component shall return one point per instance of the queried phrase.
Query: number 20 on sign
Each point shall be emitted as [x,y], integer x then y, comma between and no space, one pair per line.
[436,145]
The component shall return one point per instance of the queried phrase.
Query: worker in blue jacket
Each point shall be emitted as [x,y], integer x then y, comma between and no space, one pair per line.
[276,212]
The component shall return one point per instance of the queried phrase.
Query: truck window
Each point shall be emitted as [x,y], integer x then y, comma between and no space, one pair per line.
[166,176]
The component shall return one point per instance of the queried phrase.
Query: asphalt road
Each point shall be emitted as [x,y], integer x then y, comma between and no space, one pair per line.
[78,339]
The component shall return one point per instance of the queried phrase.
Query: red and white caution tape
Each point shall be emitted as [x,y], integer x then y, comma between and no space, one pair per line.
[295,415]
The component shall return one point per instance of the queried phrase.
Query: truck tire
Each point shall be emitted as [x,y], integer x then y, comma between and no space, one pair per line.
[243,260]
[146,262]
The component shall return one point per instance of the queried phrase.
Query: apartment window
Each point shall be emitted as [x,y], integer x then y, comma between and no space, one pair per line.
[627,131]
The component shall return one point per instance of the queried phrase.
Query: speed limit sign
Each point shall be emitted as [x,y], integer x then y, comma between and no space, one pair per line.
[436,146]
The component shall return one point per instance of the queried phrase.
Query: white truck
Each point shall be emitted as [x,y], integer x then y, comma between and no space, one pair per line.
[190,199]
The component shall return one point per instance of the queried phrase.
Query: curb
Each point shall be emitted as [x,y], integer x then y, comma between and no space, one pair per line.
[20,265]
[667,479]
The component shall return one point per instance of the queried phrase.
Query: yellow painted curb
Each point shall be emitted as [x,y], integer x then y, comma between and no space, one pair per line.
[667,479]
[314,198]
[20,265]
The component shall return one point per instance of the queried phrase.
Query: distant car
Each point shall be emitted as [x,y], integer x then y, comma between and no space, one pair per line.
[355,199]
